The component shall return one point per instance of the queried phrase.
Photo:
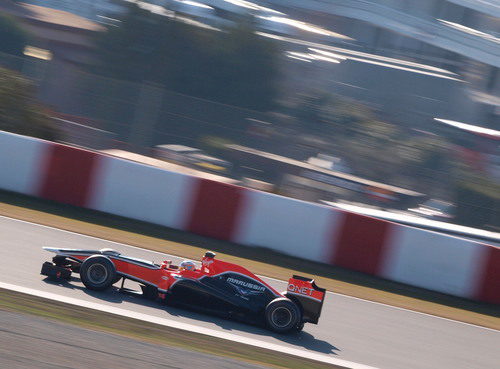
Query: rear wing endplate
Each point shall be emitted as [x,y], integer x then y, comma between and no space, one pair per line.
[311,297]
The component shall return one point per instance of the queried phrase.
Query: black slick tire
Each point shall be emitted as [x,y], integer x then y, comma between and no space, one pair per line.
[282,315]
[117,278]
[97,273]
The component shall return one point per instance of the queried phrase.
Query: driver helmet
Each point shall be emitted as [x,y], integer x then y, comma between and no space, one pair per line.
[187,265]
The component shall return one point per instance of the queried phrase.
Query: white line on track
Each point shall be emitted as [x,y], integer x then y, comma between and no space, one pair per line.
[274,279]
[187,327]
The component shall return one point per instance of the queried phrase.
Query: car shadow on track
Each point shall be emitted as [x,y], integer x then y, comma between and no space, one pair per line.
[302,339]
[113,295]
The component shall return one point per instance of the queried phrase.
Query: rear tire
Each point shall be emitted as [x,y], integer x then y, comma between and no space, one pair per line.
[97,273]
[117,278]
[282,315]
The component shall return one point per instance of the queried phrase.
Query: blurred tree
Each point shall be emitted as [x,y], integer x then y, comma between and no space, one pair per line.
[375,149]
[243,68]
[19,113]
[234,67]
[478,200]
[335,116]
[13,38]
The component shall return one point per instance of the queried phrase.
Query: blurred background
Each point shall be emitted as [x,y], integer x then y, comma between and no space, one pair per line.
[390,108]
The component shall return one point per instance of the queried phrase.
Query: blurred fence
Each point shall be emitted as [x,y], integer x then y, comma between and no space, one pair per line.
[102,113]
[142,115]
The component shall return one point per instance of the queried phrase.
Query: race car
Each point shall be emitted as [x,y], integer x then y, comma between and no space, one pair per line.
[216,286]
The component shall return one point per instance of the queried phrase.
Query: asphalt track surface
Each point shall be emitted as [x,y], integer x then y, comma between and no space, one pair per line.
[33,342]
[350,329]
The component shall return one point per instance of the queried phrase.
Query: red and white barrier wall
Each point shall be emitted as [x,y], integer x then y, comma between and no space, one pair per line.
[314,232]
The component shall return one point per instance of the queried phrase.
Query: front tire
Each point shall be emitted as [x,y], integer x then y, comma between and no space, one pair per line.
[98,273]
[282,315]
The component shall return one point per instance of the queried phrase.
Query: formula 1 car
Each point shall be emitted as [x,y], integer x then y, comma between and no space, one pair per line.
[219,287]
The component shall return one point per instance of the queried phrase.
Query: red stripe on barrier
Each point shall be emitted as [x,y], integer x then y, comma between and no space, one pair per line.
[68,175]
[489,284]
[360,243]
[215,210]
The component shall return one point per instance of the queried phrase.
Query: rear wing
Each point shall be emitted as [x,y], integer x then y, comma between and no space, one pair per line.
[310,297]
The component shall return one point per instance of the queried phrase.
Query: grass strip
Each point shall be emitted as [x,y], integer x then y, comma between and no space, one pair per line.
[258,260]
[149,332]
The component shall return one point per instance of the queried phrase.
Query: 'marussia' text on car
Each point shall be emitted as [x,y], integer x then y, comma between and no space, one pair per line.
[216,286]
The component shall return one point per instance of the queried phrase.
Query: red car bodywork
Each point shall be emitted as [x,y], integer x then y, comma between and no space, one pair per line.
[232,286]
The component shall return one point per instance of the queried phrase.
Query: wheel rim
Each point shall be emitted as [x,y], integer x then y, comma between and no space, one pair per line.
[281,317]
[97,273]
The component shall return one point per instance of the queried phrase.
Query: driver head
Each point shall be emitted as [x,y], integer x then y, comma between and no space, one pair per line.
[187,265]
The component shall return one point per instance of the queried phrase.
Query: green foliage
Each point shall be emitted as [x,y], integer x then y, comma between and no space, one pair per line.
[429,161]
[478,202]
[354,132]
[375,149]
[19,113]
[214,144]
[235,67]
[333,115]
[13,38]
